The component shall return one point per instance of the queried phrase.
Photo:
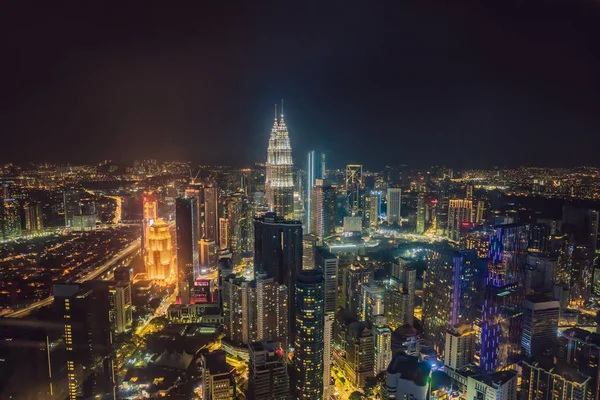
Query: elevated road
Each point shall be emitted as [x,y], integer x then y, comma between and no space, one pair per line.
[95,274]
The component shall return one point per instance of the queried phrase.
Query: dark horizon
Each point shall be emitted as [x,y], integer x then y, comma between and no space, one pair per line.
[468,85]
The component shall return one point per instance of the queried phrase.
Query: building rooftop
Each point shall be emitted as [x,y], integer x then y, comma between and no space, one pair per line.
[496,379]
[409,368]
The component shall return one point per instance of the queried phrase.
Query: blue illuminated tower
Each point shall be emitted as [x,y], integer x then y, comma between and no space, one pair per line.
[502,321]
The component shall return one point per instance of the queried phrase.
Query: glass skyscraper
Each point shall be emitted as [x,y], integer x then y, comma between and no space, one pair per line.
[279,182]
[315,169]
[309,342]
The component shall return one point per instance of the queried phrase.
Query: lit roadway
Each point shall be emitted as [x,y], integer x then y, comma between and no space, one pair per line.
[101,270]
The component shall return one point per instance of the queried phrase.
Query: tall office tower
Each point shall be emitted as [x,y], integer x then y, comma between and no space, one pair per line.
[327,354]
[375,198]
[71,206]
[394,205]
[159,253]
[123,299]
[543,378]
[34,219]
[581,225]
[246,223]
[309,328]
[234,207]
[448,293]
[88,340]
[309,243]
[267,372]
[315,169]
[540,324]
[360,355]
[382,340]
[328,264]
[150,214]
[123,318]
[271,310]
[407,378]
[187,245]
[239,310]
[197,191]
[211,213]
[323,210]
[540,273]
[371,303]
[217,377]
[581,349]
[499,386]
[279,183]
[86,219]
[278,253]
[459,211]
[400,293]
[502,320]
[355,276]
[421,213]
[208,255]
[461,342]
[355,189]
[10,218]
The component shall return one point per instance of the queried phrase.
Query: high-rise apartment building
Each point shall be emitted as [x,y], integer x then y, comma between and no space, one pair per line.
[309,328]
[315,169]
[34,219]
[272,310]
[211,213]
[87,339]
[382,356]
[394,205]
[461,342]
[279,183]
[448,293]
[543,378]
[459,211]
[323,210]
[328,264]
[267,372]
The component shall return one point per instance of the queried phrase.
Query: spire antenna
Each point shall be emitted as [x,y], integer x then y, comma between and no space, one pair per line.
[282,108]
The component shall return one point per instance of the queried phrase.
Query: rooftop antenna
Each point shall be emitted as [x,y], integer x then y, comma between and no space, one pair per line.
[281,108]
[275,111]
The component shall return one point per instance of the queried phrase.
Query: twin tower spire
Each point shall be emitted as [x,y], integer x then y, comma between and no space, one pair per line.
[279,182]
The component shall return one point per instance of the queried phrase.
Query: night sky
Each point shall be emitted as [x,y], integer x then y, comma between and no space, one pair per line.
[417,82]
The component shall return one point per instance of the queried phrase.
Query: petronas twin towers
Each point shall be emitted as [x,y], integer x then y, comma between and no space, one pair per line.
[279,183]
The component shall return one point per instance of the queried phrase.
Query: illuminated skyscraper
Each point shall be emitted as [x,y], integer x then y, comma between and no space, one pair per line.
[267,372]
[502,321]
[279,183]
[278,253]
[71,205]
[211,213]
[159,254]
[448,293]
[355,189]
[308,345]
[394,205]
[34,220]
[315,169]
[323,210]
[421,213]
[459,211]
[150,214]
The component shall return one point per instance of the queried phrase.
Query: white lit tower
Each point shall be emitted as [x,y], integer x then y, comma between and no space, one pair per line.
[279,184]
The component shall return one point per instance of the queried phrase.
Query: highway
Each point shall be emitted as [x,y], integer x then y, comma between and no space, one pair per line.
[98,272]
